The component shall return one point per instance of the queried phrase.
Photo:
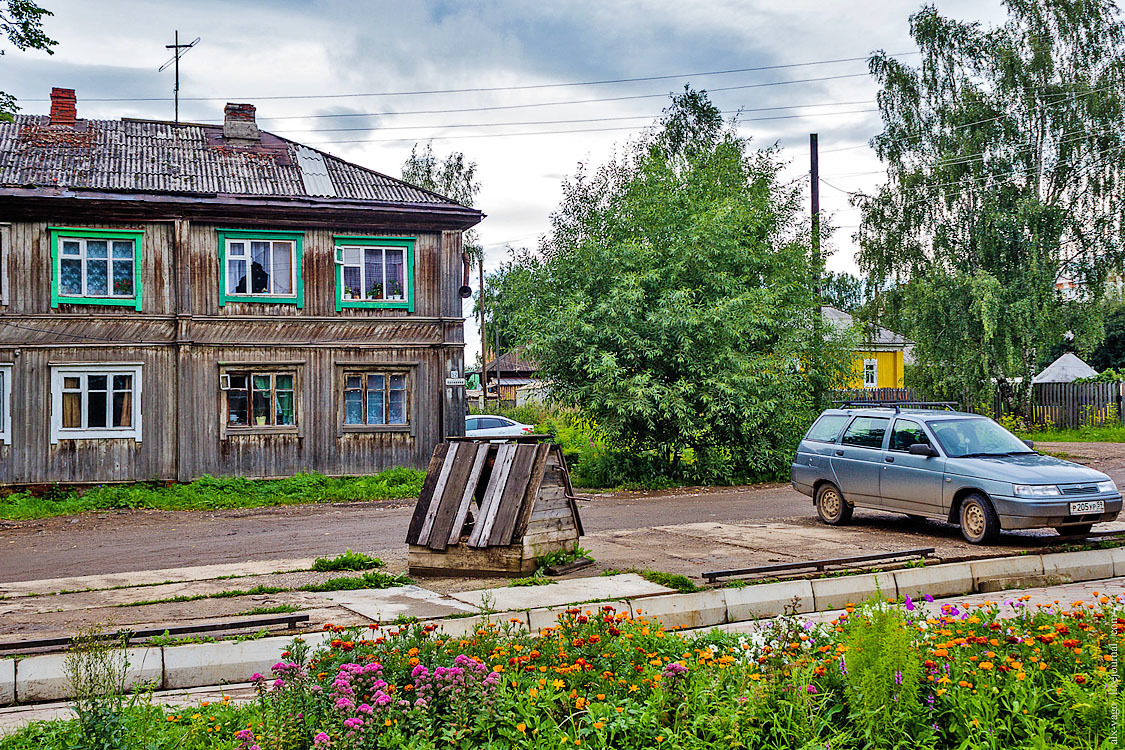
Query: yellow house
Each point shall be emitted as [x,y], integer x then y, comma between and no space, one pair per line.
[880,359]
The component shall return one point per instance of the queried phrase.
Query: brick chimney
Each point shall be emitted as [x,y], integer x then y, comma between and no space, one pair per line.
[239,123]
[63,107]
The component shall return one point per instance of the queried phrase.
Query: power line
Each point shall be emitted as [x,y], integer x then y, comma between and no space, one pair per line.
[483,89]
[542,104]
[549,132]
[560,122]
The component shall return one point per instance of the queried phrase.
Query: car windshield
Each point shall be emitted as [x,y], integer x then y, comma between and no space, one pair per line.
[963,438]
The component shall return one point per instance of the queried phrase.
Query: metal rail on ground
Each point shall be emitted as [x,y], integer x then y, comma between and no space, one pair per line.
[714,575]
[41,644]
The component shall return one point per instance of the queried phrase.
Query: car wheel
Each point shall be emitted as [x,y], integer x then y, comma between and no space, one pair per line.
[1081,529]
[831,506]
[979,524]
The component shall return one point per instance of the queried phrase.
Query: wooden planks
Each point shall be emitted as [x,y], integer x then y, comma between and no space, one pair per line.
[511,501]
[459,490]
[490,503]
[425,498]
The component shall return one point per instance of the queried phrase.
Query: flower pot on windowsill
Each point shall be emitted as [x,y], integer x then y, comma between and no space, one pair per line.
[260,421]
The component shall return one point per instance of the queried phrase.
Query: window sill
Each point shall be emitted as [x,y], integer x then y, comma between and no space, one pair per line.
[281,300]
[96,435]
[361,428]
[115,301]
[260,430]
[386,304]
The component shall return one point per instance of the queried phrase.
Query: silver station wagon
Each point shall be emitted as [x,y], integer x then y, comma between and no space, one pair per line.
[961,468]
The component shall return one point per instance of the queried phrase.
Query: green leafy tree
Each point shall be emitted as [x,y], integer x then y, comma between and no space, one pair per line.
[454,177]
[675,300]
[21,21]
[842,291]
[1003,151]
[1111,352]
[508,292]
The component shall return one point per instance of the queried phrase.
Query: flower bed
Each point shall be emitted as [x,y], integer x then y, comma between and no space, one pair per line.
[880,676]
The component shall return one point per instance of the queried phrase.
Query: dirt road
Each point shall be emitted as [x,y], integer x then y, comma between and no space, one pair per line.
[631,528]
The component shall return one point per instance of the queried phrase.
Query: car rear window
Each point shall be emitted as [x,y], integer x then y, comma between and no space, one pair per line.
[866,432]
[825,429]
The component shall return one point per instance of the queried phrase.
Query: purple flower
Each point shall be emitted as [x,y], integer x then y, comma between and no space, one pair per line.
[909,604]
[898,677]
[928,598]
[810,689]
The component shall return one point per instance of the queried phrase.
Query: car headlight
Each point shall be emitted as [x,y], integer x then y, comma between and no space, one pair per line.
[1107,486]
[1036,490]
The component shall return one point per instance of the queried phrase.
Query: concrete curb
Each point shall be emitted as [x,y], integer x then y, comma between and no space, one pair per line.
[42,678]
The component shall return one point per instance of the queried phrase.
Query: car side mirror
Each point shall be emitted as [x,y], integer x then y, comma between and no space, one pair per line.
[921,449]
[1029,444]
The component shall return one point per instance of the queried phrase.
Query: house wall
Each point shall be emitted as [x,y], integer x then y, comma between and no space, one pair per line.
[889,372]
[182,337]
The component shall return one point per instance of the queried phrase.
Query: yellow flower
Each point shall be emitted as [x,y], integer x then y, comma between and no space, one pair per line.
[532,693]
[522,727]
[599,724]
[557,683]
[633,688]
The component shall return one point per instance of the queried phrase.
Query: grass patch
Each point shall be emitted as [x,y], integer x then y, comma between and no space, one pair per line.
[371,580]
[348,560]
[1109,434]
[256,591]
[213,493]
[280,609]
[537,579]
[680,583]
[562,557]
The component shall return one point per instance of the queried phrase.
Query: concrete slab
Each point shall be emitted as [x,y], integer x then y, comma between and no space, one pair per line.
[997,570]
[150,577]
[768,600]
[1117,554]
[225,662]
[951,579]
[1087,565]
[44,678]
[835,593]
[384,605]
[466,627]
[676,611]
[7,682]
[567,591]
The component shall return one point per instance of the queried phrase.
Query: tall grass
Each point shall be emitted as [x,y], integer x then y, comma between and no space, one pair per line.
[213,493]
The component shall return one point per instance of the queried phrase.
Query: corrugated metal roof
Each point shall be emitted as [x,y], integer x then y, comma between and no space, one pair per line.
[875,335]
[138,156]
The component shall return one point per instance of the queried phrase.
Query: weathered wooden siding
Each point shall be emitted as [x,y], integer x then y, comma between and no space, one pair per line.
[182,336]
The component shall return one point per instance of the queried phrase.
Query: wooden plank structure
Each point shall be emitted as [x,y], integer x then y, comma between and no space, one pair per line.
[492,508]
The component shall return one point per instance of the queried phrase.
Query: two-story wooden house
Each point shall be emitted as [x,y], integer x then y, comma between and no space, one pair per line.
[179,300]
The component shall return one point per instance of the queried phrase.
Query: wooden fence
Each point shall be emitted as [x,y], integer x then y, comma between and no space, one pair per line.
[1074,405]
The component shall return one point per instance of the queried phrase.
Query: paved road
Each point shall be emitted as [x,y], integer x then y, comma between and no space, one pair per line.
[143,540]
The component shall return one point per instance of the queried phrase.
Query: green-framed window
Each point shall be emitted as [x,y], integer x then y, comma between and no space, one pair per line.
[374,272]
[96,266]
[260,266]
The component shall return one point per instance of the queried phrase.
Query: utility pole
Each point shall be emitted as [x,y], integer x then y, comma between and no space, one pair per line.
[496,356]
[483,339]
[814,170]
[176,61]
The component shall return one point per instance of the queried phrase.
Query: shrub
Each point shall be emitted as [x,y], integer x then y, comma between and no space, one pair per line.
[347,560]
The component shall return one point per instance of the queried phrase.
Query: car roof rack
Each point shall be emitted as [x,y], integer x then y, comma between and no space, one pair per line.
[896,405]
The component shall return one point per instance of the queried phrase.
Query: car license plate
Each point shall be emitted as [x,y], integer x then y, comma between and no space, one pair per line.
[1090,506]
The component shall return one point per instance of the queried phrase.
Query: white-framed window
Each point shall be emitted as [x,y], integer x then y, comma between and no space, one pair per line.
[261,268]
[373,274]
[92,401]
[6,404]
[375,398]
[263,398]
[97,267]
[870,373]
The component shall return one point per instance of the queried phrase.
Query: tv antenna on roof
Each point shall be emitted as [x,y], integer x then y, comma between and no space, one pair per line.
[180,51]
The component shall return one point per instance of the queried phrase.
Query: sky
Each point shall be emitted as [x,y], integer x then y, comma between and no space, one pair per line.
[368,80]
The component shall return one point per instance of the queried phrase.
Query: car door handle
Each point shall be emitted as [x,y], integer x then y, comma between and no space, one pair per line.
[889,459]
[839,453]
